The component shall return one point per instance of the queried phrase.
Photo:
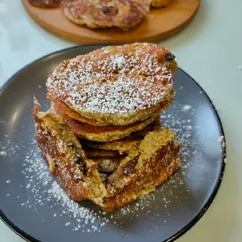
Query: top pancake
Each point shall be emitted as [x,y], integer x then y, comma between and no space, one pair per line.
[116,85]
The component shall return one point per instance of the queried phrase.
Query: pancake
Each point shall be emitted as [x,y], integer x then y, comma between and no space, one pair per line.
[124,146]
[45,3]
[98,153]
[104,134]
[138,174]
[67,160]
[101,133]
[63,109]
[154,126]
[116,85]
[123,14]
[143,169]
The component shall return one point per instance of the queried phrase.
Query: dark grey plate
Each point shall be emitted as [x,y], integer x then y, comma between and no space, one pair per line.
[34,206]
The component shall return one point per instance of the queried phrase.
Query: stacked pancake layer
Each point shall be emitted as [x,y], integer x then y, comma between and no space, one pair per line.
[102,133]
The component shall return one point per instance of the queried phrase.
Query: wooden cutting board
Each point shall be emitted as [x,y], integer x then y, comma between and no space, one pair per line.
[158,25]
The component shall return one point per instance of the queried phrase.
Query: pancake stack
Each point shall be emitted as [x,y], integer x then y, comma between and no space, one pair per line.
[104,119]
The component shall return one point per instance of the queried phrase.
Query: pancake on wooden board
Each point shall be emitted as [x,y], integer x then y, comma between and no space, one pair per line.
[123,14]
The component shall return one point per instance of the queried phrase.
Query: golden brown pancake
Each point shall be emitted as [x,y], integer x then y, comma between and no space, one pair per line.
[124,146]
[104,134]
[139,173]
[109,99]
[116,85]
[63,109]
[98,153]
[67,160]
[101,133]
[124,14]
[45,3]
[142,170]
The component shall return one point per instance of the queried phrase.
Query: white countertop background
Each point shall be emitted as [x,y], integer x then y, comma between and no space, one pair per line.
[209,49]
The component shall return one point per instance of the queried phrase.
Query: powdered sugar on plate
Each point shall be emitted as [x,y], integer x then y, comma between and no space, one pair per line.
[46,189]
[186,108]
[43,188]
[3,153]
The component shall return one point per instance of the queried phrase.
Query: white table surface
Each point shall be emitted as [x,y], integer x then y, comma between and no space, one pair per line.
[210,50]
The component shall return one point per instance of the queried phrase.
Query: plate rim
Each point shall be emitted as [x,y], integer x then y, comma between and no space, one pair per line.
[185,228]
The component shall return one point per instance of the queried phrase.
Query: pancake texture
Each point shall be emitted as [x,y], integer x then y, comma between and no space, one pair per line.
[137,174]
[102,133]
[116,85]
[102,136]
[123,14]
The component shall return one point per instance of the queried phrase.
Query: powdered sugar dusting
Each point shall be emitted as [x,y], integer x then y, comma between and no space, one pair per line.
[44,191]
[186,108]
[3,153]
[120,82]
[221,140]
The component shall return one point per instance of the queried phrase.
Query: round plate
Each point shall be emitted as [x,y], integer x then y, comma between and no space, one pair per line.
[159,24]
[33,204]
